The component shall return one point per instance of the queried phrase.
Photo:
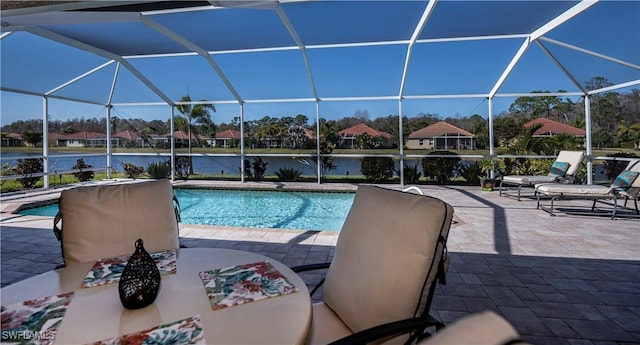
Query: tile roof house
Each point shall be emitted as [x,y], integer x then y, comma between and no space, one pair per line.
[54,139]
[550,128]
[181,139]
[348,135]
[11,140]
[78,139]
[228,138]
[441,136]
[119,139]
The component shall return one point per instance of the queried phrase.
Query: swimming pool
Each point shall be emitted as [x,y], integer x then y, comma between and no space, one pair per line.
[252,208]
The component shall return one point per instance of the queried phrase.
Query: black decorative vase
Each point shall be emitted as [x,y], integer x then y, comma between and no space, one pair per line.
[140,280]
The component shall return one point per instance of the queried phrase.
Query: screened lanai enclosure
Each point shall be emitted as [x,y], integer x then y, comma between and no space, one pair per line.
[252,61]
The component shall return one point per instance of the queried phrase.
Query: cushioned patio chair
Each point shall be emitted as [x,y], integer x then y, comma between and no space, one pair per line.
[389,255]
[625,186]
[105,221]
[563,170]
[483,328]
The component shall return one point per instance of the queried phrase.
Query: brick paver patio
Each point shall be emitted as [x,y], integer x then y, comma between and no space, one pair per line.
[568,279]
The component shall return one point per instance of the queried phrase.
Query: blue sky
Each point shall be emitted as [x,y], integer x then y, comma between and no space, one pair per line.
[436,68]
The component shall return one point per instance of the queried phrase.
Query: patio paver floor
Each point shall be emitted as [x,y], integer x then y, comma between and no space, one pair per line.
[568,279]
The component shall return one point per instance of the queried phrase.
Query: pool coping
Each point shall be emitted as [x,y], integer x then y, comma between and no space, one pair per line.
[12,203]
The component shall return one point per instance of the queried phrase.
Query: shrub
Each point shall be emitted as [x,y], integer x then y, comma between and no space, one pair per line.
[411,173]
[132,171]
[182,165]
[259,168]
[83,176]
[7,169]
[471,172]
[28,167]
[539,167]
[288,174]
[159,170]
[326,162]
[440,169]
[377,168]
[247,169]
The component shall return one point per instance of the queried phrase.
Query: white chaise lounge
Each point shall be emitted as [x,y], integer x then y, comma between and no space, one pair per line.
[563,170]
[625,186]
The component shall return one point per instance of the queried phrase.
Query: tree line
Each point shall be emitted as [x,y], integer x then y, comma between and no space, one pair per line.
[615,121]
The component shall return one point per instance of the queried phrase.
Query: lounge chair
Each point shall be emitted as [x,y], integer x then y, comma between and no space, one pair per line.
[563,170]
[390,253]
[105,221]
[625,186]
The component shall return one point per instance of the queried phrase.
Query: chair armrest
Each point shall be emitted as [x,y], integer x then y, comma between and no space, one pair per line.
[390,329]
[56,229]
[177,209]
[311,267]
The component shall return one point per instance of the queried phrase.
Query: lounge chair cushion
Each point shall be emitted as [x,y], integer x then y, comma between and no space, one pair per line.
[558,169]
[362,283]
[527,180]
[624,180]
[573,189]
[105,221]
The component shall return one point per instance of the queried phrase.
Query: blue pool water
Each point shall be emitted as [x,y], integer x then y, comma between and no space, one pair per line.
[257,209]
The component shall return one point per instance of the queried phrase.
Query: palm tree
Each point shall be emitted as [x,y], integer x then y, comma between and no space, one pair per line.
[630,131]
[198,113]
[525,144]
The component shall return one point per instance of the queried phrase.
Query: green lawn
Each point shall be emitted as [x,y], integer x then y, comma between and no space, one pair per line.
[499,151]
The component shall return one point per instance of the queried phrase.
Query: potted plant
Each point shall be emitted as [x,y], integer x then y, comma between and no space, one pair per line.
[487,182]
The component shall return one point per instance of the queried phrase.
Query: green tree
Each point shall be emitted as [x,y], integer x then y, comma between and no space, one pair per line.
[32,138]
[198,113]
[601,138]
[364,141]
[504,129]
[301,120]
[83,176]
[525,143]
[629,132]
[329,132]
[377,169]
[440,169]
[28,167]
[480,128]
[539,106]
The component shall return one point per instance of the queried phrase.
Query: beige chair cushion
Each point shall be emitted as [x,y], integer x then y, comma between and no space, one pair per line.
[326,326]
[105,221]
[528,179]
[485,328]
[574,158]
[574,189]
[382,268]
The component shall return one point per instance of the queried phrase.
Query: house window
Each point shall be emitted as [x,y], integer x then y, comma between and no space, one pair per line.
[421,142]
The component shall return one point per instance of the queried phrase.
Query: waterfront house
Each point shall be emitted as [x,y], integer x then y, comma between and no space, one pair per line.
[348,136]
[441,136]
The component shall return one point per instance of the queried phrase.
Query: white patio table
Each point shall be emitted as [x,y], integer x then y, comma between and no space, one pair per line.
[96,313]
